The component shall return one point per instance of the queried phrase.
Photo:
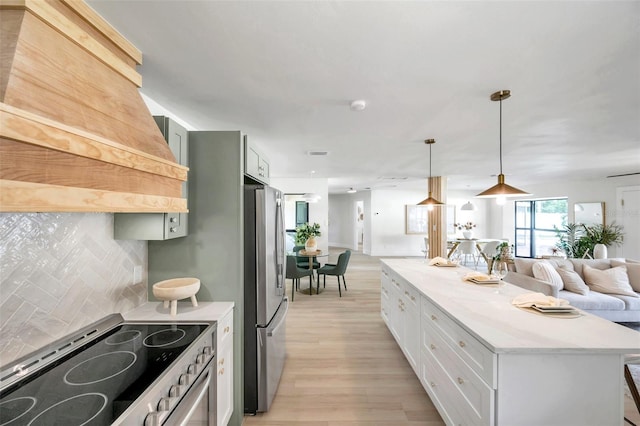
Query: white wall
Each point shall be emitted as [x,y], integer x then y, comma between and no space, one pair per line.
[318,212]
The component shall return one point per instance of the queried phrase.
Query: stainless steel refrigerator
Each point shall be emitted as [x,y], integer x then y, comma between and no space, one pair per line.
[265,304]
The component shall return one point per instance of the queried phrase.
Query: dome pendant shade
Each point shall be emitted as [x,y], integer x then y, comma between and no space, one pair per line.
[501,189]
[430,201]
[469,206]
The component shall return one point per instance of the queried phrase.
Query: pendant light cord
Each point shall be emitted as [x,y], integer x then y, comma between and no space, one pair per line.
[501,135]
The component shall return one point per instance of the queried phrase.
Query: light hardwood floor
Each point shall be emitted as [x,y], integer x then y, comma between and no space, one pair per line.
[343,366]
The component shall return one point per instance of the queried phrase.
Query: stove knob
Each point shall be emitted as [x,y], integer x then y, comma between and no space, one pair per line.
[208,350]
[152,419]
[185,379]
[164,404]
[201,359]
[175,391]
[192,369]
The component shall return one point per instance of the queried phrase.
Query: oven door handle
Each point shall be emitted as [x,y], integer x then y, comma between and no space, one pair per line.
[192,399]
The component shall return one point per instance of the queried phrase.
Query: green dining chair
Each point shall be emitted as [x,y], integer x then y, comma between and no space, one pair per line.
[303,261]
[337,269]
[294,273]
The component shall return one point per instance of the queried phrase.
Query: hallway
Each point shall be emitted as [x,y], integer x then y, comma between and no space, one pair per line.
[344,368]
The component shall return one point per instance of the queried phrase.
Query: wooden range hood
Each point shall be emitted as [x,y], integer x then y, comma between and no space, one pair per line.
[75,134]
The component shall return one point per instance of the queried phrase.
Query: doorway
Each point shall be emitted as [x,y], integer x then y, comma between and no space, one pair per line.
[359,225]
[628,203]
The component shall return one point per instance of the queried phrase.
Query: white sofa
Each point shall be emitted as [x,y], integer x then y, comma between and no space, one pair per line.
[602,302]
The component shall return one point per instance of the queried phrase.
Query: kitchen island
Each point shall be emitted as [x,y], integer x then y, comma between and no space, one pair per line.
[484,361]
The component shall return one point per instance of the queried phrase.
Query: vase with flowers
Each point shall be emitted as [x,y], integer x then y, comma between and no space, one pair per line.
[467,229]
[306,234]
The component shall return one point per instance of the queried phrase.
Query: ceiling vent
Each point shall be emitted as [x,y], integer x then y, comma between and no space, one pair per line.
[318,153]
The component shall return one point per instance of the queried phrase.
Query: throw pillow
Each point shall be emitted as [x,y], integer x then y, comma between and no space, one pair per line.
[633,271]
[573,282]
[546,272]
[610,281]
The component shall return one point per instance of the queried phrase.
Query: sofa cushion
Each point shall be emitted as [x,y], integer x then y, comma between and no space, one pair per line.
[572,282]
[611,281]
[546,272]
[593,301]
[631,303]
[524,265]
[633,271]
[594,263]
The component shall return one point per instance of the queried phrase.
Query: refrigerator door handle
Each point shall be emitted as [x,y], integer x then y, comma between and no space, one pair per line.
[284,317]
[279,247]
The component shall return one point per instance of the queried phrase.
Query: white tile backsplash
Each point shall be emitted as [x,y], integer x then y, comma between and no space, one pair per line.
[60,272]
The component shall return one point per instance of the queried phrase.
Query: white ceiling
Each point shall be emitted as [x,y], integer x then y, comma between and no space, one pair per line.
[285,72]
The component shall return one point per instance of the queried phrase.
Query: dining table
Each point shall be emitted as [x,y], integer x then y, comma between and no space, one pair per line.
[311,255]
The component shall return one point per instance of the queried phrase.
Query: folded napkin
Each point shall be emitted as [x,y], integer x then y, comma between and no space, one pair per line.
[527,300]
[478,276]
[439,261]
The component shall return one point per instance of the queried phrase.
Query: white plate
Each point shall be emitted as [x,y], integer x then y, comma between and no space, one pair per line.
[475,281]
[554,309]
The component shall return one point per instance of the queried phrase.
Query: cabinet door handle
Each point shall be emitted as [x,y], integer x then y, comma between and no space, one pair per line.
[433,385]
[173,229]
[413,298]
[221,362]
[433,346]
[433,317]
[460,380]
[226,329]
[462,344]
[221,372]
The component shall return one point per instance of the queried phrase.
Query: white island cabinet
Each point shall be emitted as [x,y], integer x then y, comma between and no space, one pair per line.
[222,312]
[484,361]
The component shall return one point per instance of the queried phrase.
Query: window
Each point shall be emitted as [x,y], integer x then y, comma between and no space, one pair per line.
[536,221]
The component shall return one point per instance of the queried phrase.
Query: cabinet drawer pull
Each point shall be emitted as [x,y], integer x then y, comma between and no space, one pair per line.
[462,344]
[226,329]
[221,372]
[460,380]
[433,385]
[433,317]
[221,362]
[433,346]
[406,293]
[413,298]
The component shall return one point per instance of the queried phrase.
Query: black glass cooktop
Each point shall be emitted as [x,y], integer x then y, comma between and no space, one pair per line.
[97,382]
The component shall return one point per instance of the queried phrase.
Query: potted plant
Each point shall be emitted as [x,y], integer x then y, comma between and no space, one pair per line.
[504,253]
[570,240]
[305,234]
[603,236]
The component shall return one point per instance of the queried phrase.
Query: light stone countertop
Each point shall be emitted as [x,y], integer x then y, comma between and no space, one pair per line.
[504,328]
[154,311]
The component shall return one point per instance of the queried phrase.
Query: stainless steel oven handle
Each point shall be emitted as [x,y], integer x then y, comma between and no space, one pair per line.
[194,398]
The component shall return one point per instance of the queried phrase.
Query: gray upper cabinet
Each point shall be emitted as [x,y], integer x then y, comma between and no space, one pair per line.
[256,164]
[159,226]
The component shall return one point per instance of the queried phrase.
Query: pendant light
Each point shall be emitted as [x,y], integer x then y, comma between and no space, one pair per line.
[501,190]
[430,201]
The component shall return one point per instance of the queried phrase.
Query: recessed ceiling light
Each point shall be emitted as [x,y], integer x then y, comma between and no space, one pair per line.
[351,191]
[317,153]
[358,105]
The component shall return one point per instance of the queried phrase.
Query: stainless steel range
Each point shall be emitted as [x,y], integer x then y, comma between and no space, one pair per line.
[116,373]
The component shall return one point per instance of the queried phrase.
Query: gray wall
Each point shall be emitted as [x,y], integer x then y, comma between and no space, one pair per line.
[213,250]
[60,272]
